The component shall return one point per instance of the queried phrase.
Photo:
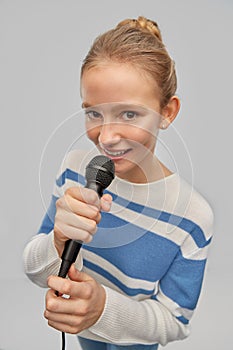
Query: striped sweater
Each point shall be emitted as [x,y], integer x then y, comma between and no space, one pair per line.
[149,253]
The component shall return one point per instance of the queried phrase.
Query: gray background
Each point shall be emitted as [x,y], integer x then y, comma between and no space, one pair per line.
[42,44]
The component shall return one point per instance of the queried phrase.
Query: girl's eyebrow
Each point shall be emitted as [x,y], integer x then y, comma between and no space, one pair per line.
[115,105]
[85,105]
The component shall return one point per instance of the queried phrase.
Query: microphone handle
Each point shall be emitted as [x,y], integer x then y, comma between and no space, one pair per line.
[69,256]
[72,247]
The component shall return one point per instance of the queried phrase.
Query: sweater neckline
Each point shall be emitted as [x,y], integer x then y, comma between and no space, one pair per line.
[159,182]
[151,193]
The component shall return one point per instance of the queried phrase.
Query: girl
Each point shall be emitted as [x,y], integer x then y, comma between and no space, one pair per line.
[137,280]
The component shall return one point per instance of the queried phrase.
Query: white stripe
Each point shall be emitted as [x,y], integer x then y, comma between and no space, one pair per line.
[128,281]
[175,308]
[189,252]
[105,282]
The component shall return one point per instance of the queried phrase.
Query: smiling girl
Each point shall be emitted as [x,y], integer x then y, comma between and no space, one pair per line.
[138,278]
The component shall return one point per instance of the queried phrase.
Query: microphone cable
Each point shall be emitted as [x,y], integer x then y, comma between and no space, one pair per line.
[68,257]
[63,340]
[63,335]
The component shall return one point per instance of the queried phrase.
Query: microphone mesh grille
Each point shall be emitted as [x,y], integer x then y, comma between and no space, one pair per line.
[100,170]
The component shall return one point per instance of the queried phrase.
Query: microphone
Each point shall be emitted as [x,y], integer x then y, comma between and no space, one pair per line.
[100,172]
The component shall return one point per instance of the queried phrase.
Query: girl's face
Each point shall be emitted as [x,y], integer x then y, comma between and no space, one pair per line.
[122,110]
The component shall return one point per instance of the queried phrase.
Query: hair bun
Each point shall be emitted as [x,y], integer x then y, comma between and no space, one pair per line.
[143,23]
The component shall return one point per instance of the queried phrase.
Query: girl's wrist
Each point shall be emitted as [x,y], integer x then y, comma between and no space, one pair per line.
[59,246]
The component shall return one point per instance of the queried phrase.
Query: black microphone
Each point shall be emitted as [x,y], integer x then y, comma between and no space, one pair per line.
[99,174]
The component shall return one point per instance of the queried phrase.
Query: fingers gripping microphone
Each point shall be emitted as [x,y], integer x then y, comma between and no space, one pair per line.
[99,175]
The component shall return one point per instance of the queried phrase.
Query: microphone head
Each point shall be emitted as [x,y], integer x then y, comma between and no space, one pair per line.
[100,170]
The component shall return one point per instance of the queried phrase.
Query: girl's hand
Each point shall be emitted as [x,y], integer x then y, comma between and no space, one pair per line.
[77,215]
[81,310]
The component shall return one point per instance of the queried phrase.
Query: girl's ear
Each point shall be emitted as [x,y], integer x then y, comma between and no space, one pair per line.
[169,112]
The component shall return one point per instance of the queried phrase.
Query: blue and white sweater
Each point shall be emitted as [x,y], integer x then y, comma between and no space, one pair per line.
[149,253]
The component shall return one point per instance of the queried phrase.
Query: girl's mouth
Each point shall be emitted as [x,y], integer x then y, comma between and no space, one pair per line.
[115,154]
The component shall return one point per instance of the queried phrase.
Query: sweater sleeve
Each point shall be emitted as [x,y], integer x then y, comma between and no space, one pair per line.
[126,322]
[41,259]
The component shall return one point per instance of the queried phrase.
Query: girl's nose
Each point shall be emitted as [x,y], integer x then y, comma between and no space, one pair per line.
[109,134]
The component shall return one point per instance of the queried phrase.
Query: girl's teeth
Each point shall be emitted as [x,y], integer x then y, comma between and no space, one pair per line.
[119,153]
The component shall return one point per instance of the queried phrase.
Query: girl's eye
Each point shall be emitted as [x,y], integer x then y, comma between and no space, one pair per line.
[129,115]
[93,115]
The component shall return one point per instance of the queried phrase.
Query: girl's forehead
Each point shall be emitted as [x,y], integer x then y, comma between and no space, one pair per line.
[118,83]
[119,70]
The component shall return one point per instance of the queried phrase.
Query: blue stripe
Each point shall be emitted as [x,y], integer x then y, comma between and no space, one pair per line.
[148,250]
[183,281]
[115,232]
[71,175]
[115,281]
[183,319]
[48,221]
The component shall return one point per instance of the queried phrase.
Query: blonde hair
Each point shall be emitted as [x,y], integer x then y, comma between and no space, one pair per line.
[137,42]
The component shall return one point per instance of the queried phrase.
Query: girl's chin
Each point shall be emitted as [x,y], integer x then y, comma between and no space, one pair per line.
[128,172]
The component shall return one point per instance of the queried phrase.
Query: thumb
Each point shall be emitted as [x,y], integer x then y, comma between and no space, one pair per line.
[106,202]
[78,276]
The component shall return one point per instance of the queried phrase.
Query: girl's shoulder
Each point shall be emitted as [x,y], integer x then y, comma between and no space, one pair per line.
[199,209]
